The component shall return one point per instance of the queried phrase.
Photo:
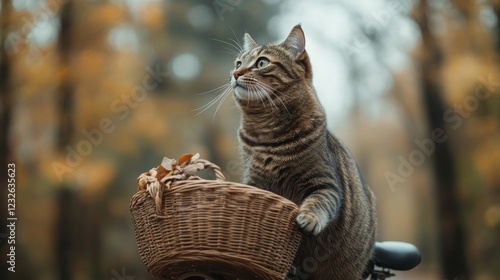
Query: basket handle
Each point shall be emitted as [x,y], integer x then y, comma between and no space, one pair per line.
[161,177]
[208,165]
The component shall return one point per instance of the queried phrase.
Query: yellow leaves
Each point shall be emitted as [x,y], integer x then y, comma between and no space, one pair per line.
[124,141]
[459,77]
[34,78]
[492,216]
[108,15]
[486,160]
[90,176]
[89,63]
[151,15]
[484,128]
[94,176]
[157,119]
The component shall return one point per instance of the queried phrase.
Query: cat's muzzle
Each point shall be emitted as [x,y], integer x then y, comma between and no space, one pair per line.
[240,92]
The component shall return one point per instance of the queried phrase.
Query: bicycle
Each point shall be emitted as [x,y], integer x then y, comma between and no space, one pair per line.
[393,255]
[389,255]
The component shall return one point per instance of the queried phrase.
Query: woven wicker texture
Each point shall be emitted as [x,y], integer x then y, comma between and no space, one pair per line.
[218,227]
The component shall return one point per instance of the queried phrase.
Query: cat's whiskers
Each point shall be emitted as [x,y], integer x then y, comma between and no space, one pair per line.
[237,47]
[240,47]
[237,42]
[215,89]
[231,51]
[271,90]
[208,105]
[262,92]
[226,89]
[256,90]
[253,89]
[226,93]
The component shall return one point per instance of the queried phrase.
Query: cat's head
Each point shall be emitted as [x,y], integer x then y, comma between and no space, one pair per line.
[269,72]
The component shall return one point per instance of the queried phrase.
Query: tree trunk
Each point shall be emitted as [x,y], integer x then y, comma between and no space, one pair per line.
[5,121]
[496,10]
[66,196]
[450,227]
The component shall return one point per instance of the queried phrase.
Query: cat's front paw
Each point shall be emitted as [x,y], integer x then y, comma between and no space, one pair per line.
[309,222]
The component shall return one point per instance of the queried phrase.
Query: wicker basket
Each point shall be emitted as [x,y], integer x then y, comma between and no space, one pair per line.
[216,227]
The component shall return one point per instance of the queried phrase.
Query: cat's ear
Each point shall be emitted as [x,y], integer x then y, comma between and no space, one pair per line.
[248,43]
[296,42]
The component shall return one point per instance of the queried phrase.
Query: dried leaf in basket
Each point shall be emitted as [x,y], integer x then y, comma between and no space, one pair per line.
[168,163]
[170,167]
[185,158]
[145,178]
[162,172]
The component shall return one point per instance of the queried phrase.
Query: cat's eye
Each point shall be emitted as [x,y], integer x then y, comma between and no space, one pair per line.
[262,62]
[238,64]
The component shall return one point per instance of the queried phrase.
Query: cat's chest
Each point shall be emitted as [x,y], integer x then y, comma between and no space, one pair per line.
[265,163]
[272,173]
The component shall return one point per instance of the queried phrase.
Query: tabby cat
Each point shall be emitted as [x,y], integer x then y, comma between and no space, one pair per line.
[288,150]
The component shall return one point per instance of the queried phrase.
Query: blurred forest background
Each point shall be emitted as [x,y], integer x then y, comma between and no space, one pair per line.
[93,93]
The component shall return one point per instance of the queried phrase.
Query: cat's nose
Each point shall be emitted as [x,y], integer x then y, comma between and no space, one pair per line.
[236,74]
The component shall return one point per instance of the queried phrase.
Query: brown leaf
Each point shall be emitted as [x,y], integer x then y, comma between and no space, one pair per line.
[162,172]
[185,158]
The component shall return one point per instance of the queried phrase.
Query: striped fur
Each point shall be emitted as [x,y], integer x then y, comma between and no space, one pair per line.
[287,150]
